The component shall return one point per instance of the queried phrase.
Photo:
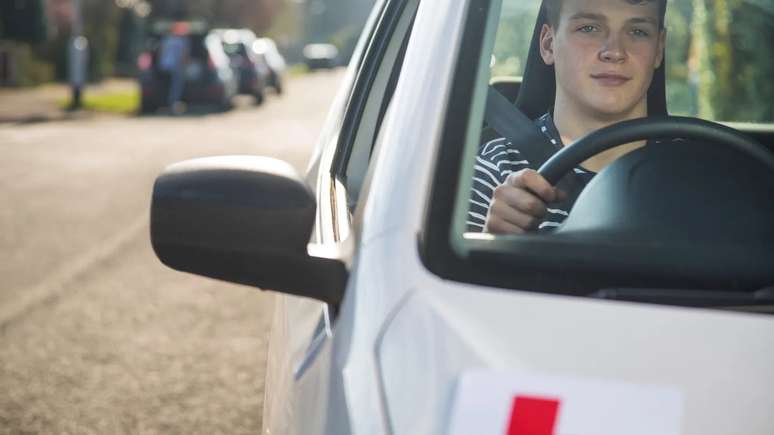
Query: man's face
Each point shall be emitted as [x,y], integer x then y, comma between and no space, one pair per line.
[605,53]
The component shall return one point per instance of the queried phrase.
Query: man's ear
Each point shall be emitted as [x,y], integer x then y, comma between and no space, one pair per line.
[547,44]
[661,48]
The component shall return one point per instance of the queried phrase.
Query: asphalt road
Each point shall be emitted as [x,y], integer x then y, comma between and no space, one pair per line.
[96,335]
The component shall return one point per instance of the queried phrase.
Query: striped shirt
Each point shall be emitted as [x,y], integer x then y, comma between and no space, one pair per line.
[499,158]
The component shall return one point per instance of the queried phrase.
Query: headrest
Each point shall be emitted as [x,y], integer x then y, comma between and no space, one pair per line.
[538,87]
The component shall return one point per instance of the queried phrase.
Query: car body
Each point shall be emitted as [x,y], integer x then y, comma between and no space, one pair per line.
[252,68]
[320,56]
[267,48]
[209,79]
[392,320]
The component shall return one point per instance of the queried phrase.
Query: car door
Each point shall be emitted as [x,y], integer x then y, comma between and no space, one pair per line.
[298,373]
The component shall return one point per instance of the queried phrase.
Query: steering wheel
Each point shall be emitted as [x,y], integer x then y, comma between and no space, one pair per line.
[683,215]
[666,127]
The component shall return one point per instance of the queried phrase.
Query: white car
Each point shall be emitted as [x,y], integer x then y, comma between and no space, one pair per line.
[320,55]
[268,49]
[394,319]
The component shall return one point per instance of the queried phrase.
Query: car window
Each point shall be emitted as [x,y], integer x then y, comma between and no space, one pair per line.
[716,67]
[339,175]
[712,73]
[379,76]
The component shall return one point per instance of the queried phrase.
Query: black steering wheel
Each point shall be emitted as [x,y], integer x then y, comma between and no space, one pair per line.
[666,127]
[683,215]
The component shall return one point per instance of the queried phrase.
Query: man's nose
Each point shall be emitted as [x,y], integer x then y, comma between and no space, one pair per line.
[613,50]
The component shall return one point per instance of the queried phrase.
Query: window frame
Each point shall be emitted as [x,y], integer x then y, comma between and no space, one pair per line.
[486,260]
[362,94]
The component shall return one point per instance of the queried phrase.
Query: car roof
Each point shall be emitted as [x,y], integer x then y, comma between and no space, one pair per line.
[234,35]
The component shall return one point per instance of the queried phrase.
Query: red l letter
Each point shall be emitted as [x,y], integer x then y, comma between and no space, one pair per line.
[533,416]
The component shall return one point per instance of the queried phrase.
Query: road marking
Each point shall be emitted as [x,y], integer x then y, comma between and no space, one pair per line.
[53,287]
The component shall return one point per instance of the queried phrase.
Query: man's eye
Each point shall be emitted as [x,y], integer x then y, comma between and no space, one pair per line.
[640,33]
[587,29]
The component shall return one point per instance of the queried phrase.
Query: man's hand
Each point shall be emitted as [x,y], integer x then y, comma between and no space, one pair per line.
[519,204]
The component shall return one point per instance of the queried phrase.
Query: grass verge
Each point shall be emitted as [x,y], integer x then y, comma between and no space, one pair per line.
[297,70]
[123,102]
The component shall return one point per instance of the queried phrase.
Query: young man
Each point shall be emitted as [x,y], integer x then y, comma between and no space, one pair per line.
[603,54]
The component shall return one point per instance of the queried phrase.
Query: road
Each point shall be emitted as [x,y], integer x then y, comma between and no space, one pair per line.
[96,335]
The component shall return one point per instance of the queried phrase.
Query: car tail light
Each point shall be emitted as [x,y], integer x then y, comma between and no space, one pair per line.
[180,28]
[144,61]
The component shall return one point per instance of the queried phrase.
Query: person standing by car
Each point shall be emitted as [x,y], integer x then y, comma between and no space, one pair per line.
[175,49]
[604,61]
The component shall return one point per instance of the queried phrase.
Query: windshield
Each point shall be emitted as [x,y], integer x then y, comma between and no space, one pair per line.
[611,63]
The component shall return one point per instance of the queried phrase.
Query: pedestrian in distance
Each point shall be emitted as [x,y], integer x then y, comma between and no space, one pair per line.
[175,52]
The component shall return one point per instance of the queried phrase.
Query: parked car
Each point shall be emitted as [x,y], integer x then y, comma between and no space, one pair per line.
[252,69]
[392,319]
[320,56]
[207,74]
[266,48]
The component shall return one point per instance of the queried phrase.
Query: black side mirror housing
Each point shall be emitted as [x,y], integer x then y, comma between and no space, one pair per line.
[242,219]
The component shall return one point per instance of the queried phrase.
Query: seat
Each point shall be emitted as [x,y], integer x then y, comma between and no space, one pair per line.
[508,86]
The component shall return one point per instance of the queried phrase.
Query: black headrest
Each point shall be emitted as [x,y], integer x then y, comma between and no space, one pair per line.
[538,87]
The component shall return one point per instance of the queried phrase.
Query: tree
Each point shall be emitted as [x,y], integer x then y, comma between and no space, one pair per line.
[730,42]
[23,20]
[257,15]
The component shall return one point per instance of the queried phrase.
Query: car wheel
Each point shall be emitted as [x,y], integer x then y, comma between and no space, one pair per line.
[147,107]
[227,104]
[259,97]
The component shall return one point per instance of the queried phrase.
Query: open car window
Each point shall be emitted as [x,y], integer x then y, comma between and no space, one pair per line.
[714,72]
[717,62]
[377,79]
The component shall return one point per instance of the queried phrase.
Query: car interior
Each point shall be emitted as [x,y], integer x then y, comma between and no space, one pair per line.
[509,88]
[656,225]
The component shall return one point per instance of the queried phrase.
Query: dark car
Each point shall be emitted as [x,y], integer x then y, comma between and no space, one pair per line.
[206,74]
[252,69]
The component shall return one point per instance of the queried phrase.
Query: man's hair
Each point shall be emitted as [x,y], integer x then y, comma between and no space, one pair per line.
[554,8]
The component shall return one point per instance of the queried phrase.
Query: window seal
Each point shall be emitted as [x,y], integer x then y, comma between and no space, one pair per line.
[372,59]
[482,264]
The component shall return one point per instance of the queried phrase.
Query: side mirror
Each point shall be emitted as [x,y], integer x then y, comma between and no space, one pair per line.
[242,219]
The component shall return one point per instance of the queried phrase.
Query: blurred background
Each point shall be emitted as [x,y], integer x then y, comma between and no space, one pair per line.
[34,33]
[89,41]
[97,97]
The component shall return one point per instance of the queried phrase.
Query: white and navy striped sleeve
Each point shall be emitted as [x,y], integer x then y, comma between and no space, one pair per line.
[496,160]
[499,158]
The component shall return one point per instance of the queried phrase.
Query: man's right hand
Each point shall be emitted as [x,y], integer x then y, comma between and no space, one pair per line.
[519,204]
